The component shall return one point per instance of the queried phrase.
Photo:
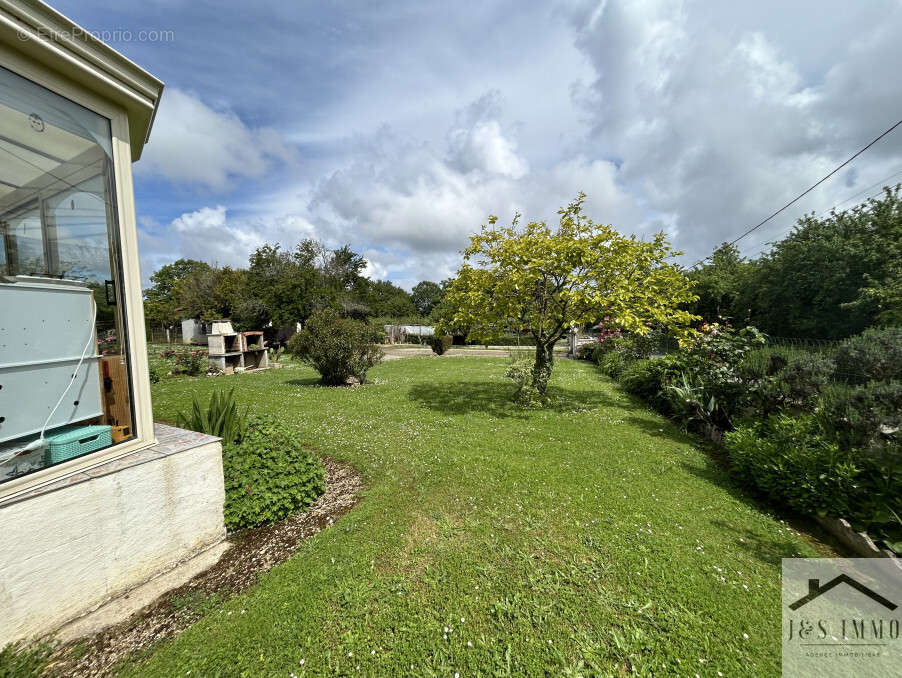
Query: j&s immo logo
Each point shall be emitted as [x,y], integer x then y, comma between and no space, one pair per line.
[841,617]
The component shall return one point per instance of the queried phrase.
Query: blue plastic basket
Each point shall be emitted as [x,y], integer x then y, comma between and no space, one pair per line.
[76,440]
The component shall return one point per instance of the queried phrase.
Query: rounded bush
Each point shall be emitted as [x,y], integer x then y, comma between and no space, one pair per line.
[338,348]
[647,379]
[439,344]
[806,376]
[867,417]
[613,363]
[269,475]
[875,354]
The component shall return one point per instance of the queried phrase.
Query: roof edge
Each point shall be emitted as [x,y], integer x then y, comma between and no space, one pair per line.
[42,32]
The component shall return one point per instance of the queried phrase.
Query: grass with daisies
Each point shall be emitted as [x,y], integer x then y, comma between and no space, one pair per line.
[588,538]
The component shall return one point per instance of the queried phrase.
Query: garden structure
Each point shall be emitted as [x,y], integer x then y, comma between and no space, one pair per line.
[95,498]
[231,351]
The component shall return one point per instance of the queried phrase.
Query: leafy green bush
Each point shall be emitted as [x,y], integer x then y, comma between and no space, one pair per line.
[155,372]
[805,377]
[520,371]
[439,344]
[613,363]
[219,418]
[338,348]
[269,475]
[791,462]
[867,417]
[649,378]
[873,355]
[631,347]
[713,364]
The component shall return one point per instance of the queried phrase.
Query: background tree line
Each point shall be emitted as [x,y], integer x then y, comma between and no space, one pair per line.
[828,279]
[283,287]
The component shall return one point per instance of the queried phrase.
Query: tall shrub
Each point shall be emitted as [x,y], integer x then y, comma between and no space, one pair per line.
[338,348]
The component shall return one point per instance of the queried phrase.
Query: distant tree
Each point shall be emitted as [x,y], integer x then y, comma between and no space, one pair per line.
[283,284]
[831,277]
[719,285]
[196,294]
[384,298]
[426,296]
[545,280]
[883,298]
[161,303]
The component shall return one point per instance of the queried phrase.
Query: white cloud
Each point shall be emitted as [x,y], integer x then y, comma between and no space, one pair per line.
[716,123]
[210,234]
[194,144]
[699,118]
[421,203]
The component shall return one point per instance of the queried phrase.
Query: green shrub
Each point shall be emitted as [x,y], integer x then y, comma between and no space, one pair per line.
[338,348]
[439,344]
[631,347]
[519,370]
[269,475]
[155,372]
[805,377]
[873,355]
[791,462]
[649,378]
[612,363]
[220,417]
[713,364]
[867,417]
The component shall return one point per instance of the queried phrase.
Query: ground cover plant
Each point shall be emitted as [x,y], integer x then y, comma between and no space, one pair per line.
[589,537]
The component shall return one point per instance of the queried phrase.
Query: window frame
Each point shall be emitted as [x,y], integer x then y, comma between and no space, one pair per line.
[130,275]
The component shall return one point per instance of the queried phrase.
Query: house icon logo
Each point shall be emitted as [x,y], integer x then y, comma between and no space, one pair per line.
[853,627]
[815,590]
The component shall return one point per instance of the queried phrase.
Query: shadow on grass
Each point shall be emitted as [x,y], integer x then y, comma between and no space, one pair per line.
[769,548]
[495,399]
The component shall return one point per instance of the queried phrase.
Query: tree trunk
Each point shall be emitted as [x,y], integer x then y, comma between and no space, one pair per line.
[541,369]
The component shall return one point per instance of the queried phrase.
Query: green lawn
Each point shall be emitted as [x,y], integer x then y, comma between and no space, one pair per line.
[591,538]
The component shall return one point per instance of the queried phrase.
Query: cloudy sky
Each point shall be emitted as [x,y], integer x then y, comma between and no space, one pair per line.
[398,127]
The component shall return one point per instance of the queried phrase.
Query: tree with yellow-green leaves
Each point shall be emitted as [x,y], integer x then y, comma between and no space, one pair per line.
[545,280]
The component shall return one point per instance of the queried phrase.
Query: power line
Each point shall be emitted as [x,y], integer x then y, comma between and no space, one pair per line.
[827,211]
[880,183]
[809,189]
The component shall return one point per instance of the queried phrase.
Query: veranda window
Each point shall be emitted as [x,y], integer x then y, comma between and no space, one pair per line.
[64,375]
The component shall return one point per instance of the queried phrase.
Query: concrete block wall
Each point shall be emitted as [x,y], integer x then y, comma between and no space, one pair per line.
[65,552]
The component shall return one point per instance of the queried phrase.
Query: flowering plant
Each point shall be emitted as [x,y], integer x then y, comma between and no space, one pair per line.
[607,331]
[109,344]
